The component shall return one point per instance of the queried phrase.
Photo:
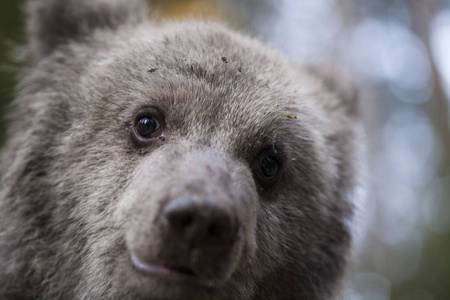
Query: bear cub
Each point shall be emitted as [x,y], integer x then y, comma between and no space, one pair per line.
[176,160]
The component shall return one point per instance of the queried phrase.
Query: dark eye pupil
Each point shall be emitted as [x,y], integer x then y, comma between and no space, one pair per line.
[146,126]
[269,166]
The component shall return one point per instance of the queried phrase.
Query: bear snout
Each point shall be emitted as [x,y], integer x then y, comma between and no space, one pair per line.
[196,240]
[193,225]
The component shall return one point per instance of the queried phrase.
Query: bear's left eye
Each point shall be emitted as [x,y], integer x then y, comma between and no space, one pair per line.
[269,165]
[266,168]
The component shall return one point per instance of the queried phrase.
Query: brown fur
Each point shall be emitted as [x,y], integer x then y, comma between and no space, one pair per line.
[78,194]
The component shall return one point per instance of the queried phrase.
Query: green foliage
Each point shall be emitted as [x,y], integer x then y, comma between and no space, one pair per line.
[11,35]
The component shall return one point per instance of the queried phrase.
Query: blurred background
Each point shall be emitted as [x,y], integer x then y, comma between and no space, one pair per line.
[398,52]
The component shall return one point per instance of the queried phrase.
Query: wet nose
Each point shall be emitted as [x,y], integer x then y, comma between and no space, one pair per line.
[200,224]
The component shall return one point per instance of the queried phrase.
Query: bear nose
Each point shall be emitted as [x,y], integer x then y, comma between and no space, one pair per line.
[200,224]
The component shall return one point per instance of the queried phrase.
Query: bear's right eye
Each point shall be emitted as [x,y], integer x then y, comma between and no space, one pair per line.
[147,126]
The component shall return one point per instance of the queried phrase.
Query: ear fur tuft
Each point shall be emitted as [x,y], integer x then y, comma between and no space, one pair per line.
[337,82]
[52,23]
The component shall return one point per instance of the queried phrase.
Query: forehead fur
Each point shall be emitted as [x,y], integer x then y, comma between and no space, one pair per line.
[209,84]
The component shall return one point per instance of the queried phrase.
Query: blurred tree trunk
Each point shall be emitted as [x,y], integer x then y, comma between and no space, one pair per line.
[435,265]
[422,13]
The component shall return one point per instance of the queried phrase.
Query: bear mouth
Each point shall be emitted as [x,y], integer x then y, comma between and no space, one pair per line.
[172,274]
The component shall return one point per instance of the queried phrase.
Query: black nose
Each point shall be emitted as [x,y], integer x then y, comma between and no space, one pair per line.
[200,224]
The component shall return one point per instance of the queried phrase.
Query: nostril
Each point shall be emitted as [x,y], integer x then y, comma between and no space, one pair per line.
[214,230]
[180,217]
[186,220]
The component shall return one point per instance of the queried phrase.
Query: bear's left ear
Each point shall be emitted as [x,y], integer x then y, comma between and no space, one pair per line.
[52,23]
[336,81]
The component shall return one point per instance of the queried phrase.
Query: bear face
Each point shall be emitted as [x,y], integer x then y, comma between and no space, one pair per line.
[172,161]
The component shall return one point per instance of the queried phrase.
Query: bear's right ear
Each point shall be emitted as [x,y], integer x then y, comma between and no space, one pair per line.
[52,23]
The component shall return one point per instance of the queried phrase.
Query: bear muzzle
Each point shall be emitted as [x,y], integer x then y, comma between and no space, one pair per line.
[197,237]
[194,227]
